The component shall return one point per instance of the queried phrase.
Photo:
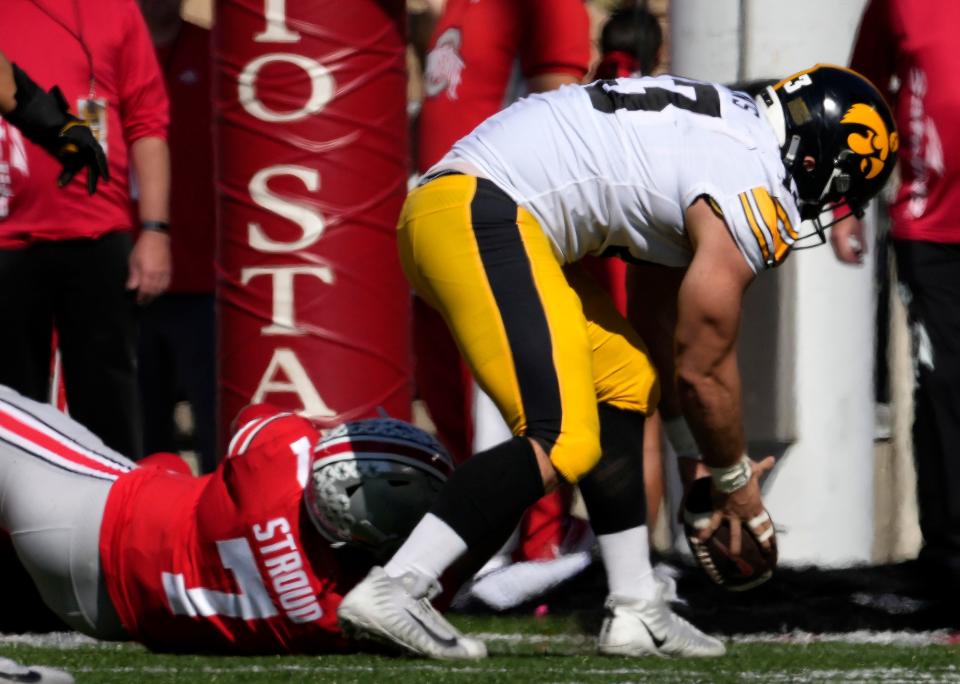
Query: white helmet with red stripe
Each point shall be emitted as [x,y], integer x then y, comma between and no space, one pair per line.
[372,481]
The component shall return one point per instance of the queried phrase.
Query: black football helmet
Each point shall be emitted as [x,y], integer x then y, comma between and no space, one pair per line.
[837,118]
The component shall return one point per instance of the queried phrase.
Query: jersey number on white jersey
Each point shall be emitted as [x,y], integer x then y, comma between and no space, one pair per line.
[692,96]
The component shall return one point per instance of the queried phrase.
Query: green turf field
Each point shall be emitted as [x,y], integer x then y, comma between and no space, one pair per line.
[522,650]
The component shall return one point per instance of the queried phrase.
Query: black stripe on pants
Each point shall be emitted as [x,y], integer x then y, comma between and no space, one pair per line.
[508,271]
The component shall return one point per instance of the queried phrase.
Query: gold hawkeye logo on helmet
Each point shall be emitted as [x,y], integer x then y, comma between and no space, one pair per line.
[876,144]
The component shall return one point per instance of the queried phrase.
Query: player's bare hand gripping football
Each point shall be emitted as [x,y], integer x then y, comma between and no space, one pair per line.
[703,313]
[741,506]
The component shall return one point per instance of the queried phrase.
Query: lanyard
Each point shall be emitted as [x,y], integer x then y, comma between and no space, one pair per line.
[77,34]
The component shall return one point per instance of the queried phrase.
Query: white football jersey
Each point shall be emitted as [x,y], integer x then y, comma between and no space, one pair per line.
[611,168]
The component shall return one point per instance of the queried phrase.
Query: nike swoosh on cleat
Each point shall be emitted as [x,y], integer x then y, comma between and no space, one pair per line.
[449,642]
[658,642]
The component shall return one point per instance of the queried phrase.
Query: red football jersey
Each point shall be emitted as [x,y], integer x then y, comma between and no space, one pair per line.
[228,561]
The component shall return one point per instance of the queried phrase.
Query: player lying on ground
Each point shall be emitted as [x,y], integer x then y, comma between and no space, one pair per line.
[240,560]
[704,182]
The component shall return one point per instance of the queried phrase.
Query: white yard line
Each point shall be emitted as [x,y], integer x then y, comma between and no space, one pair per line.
[62,640]
[536,639]
[860,637]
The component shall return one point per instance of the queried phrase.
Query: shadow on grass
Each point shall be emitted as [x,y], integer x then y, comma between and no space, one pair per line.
[878,598]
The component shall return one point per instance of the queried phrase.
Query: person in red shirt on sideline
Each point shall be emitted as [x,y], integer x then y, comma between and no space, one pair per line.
[476,52]
[67,260]
[177,331]
[252,558]
[914,42]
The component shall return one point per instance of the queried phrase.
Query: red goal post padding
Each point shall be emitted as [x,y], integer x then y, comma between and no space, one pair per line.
[311,135]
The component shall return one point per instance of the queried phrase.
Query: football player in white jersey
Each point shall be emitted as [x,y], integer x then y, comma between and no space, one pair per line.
[707,184]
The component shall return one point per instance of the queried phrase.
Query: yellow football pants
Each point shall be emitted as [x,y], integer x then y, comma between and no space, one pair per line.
[546,347]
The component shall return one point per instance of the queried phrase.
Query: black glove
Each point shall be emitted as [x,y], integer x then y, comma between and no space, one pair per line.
[45,119]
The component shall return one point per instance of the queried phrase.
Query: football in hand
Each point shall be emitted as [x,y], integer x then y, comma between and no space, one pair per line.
[753,566]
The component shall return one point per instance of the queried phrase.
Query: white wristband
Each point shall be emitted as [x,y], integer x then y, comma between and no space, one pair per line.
[731,478]
[681,439]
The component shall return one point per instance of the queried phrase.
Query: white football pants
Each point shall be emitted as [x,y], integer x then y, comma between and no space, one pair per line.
[54,479]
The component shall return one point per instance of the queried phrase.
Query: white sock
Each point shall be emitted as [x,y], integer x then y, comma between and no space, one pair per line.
[626,557]
[430,549]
